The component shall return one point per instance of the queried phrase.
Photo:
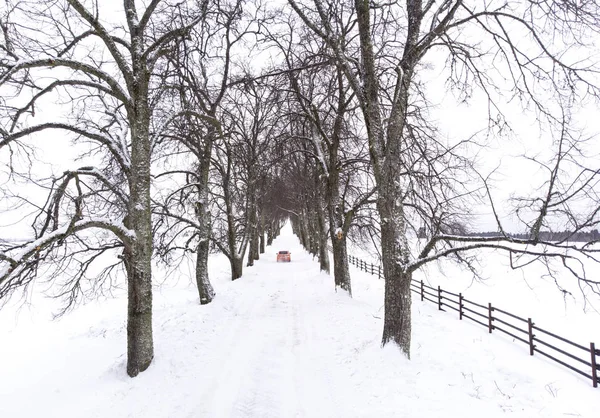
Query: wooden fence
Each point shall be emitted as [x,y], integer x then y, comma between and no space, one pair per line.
[576,357]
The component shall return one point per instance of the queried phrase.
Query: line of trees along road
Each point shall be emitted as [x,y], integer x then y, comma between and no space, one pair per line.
[207,123]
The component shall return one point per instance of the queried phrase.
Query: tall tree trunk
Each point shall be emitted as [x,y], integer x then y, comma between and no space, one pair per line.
[304,231]
[140,345]
[137,259]
[397,318]
[385,151]
[252,225]
[235,261]
[397,321]
[341,270]
[322,227]
[323,250]
[255,244]
[206,292]
[261,231]
[270,229]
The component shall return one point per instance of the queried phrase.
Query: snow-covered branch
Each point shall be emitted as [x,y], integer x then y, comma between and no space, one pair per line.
[20,257]
[30,106]
[106,38]
[114,147]
[115,88]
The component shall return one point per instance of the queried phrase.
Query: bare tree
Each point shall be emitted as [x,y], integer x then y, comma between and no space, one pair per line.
[102,68]
[413,168]
[202,66]
[242,163]
[326,105]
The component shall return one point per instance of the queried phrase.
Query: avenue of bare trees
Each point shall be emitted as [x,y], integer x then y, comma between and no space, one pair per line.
[201,126]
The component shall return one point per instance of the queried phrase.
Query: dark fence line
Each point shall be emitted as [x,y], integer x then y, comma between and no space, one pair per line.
[582,360]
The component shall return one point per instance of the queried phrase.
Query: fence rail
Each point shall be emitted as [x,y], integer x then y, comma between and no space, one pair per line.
[576,357]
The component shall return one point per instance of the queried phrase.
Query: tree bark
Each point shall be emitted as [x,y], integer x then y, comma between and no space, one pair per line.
[385,151]
[206,292]
[322,230]
[140,347]
[323,250]
[397,302]
[262,232]
[397,324]
[252,225]
[304,231]
[341,269]
[269,234]
[237,266]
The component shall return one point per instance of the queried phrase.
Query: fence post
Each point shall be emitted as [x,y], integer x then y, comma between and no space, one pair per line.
[379,272]
[372,269]
[490,317]
[439,298]
[460,306]
[422,291]
[530,328]
[594,365]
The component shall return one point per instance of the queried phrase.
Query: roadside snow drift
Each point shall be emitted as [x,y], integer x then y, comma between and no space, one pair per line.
[279,342]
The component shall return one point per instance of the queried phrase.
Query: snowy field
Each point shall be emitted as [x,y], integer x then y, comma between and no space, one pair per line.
[564,306]
[279,342]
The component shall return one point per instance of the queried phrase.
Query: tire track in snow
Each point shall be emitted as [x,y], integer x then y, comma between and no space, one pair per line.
[275,363]
[256,380]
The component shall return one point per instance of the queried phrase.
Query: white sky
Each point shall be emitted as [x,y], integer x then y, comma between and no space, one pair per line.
[514,175]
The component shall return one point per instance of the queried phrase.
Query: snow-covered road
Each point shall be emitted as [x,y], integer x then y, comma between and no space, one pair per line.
[279,342]
[278,348]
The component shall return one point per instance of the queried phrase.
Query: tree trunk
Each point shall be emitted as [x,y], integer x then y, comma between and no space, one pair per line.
[304,232]
[395,257]
[397,319]
[270,234]
[140,346]
[237,265]
[341,270]
[385,152]
[137,259]
[322,231]
[206,292]
[323,251]
[252,225]
[261,231]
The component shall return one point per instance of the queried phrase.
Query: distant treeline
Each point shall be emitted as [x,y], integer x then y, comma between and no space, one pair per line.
[593,235]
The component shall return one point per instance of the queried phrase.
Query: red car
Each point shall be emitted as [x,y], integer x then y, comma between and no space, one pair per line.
[284,256]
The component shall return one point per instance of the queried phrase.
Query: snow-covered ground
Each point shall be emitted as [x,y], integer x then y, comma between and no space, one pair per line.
[565,306]
[279,342]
